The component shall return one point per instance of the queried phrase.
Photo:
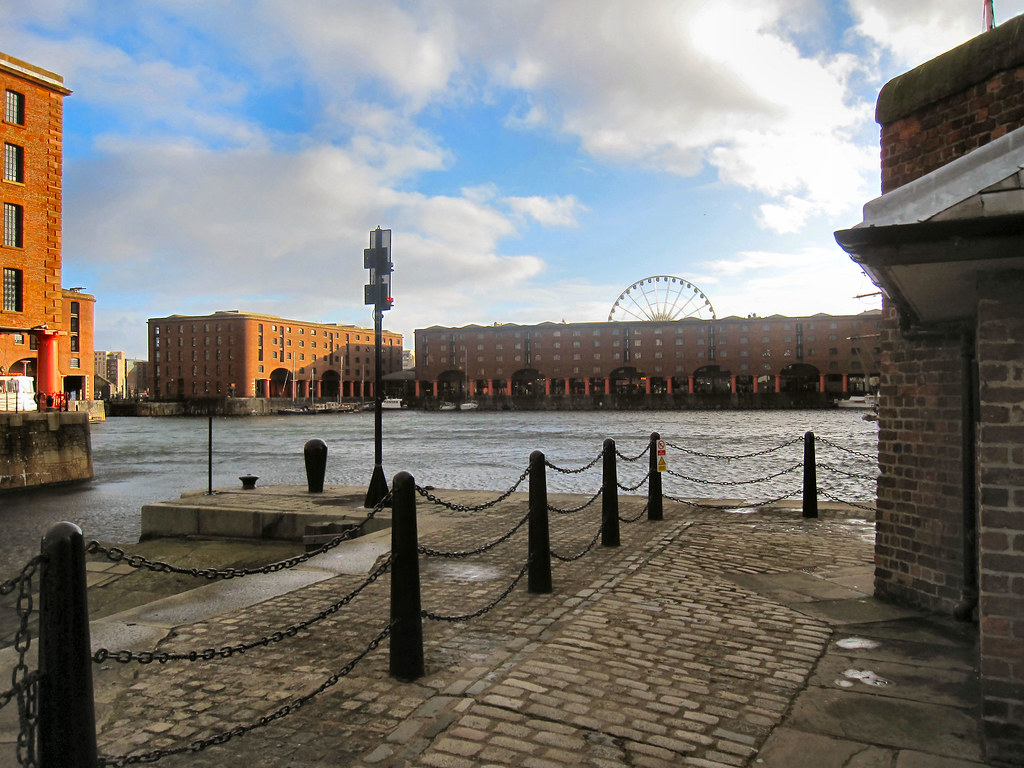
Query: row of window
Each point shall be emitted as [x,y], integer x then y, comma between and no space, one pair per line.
[13,290]
[14,170]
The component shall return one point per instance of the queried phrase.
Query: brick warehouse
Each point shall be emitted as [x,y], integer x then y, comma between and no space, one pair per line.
[836,355]
[945,242]
[45,331]
[242,354]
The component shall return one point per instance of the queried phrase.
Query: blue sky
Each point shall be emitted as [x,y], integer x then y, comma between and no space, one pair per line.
[533,158]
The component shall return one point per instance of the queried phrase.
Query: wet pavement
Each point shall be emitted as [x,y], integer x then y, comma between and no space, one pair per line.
[711,638]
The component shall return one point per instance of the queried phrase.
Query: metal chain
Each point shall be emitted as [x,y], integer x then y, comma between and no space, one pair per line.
[838,471]
[795,492]
[676,499]
[639,456]
[637,517]
[575,471]
[147,657]
[117,555]
[485,609]
[464,508]
[570,558]
[828,495]
[24,681]
[241,730]
[629,488]
[737,482]
[828,442]
[765,452]
[479,550]
[580,508]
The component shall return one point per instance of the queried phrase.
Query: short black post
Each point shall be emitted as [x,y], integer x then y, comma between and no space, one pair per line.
[609,498]
[67,715]
[209,457]
[810,477]
[655,506]
[314,452]
[406,659]
[539,571]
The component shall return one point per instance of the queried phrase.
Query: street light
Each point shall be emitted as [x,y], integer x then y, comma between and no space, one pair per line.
[377,259]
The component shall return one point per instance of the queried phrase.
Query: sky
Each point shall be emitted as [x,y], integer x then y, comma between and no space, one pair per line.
[533,158]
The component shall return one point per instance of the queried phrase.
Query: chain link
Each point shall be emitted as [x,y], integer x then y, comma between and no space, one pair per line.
[24,682]
[829,443]
[765,452]
[639,456]
[838,471]
[577,556]
[481,611]
[463,507]
[828,495]
[737,482]
[636,517]
[575,471]
[117,555]
[101,655]
[580,508]
[479,550]
[629,488]
[240,730]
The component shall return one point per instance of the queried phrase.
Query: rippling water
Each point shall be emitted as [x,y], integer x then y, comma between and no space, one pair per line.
[141,460]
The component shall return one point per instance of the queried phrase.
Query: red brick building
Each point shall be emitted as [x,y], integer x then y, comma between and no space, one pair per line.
[44,330]
[945,242]
[821,353]
[241,354]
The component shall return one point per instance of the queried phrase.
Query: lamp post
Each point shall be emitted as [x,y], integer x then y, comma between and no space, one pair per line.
[377,259]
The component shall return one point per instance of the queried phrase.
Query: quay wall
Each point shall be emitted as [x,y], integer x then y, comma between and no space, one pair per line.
[38,449]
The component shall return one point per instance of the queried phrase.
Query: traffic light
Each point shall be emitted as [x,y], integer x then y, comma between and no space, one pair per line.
[377,259]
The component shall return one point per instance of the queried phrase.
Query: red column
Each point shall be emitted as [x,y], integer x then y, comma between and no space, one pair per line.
[434,386]
[607,386]
[586,386]
[416,387]
[508,387]
[47,363]
[669,380]
[846,383]
[778,383]
[547,387]
[755,384]
[647,386]
[318,388]
[567,386]
[732,385]
[691,384]
[469,387]
[821,385]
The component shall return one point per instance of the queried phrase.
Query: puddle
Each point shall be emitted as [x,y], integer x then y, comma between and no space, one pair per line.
[867,677]
[857,642]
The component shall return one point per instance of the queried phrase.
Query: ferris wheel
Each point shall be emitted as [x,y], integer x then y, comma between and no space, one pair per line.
[662,297]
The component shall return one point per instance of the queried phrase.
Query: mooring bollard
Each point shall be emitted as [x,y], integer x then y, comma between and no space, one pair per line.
[810,477]
[539,547]
[406,650]
[655,505]
[67,715]
[314,452]
[609,497]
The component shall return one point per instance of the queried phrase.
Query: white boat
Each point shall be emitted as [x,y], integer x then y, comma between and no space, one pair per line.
[391,403]
[469,405]
[447,407]
[860,402]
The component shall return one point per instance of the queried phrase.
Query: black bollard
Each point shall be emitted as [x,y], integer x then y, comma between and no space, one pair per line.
[315,455]
[67,715]
[406,650]
[810,477]
[539,572]
[609,498]
[655,505]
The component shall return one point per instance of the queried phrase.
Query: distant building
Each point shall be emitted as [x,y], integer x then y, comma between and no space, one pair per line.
[113,368]
[45,331]
[242,354]
[823,353]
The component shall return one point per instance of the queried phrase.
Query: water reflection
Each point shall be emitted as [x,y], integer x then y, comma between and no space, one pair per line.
[137,461]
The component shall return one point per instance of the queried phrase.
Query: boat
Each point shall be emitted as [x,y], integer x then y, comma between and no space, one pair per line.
[469,405]
[446,406]
[861,402]
[391,403]
[300,410]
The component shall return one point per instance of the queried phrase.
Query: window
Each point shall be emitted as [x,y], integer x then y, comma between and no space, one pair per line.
[14,111]
[14,163]
[76,362]
[13,215]
[12,290]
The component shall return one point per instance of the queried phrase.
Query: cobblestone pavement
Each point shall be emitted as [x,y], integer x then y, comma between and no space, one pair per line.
[646,654]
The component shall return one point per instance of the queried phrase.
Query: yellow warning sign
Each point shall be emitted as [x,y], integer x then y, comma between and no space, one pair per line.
[662,466]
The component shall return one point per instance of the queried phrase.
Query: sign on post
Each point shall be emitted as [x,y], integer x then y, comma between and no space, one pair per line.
[662,465]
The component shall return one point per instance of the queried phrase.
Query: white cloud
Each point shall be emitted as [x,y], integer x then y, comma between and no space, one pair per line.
[558,211]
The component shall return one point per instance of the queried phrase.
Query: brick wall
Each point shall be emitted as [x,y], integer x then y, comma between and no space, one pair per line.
[919,549]
[1000,517]
[952,104]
